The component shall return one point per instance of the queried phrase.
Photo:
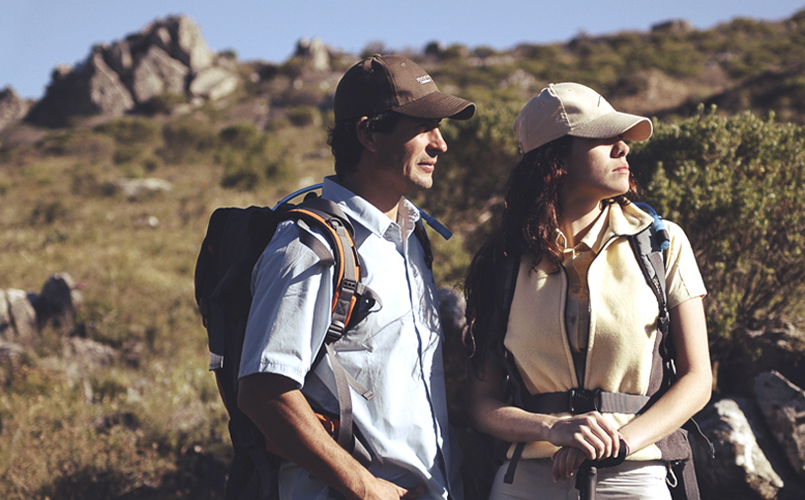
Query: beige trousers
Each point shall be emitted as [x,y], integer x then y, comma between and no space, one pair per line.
[629,481]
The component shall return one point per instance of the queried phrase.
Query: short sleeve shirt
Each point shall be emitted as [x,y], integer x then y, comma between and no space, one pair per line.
[395,352]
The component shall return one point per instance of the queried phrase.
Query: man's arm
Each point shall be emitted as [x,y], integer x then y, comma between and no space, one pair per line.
[284,416]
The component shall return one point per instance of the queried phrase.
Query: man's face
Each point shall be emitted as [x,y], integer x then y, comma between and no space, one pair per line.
[408,155]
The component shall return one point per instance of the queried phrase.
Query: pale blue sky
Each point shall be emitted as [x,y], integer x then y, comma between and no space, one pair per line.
[36,35]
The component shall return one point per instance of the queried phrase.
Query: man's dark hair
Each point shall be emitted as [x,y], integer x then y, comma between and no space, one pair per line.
[343,139]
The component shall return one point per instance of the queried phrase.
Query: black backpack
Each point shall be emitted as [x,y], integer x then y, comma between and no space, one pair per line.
[235,239]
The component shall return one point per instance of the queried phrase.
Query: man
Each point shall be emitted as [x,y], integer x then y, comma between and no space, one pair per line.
[386,143]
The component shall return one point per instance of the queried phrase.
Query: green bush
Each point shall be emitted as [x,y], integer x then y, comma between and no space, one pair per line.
[248,156]
[471,177]
[94,147]
[301,116]
[131,130]
[162,104]
[736,186]
[186,141]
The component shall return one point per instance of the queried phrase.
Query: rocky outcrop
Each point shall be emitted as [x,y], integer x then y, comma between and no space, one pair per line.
[157,73]
[136,189]
[17,317]
[12,107]
[165,58]
[759,443]
[214,83]
[783,406]
[740,469]
[315,52]
[24,314]
[57,301]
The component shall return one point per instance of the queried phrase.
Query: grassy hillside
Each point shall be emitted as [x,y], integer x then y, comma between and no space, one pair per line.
[145,421]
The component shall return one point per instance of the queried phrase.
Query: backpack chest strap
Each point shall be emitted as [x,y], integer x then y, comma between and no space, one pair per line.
[577,401]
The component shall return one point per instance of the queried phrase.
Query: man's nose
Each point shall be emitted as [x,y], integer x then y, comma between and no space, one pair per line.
[437,144]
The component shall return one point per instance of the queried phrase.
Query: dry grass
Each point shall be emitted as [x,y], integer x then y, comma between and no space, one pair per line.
[149,424]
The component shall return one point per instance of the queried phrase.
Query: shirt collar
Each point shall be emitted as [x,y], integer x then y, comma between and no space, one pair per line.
[614,220]
[363,212]
[591,240]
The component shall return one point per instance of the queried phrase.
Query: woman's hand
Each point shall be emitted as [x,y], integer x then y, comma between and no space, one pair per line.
[566,461]
[590,433]
[595,436]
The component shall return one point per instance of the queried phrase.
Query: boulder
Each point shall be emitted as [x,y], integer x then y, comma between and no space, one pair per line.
[56,303]
[88,89]
[12,107]
[106,91]
[119,58]
[181,38]
[24,314]
[157,73]
[191,48]
[17,318]
[214,83]
[783,406]
[740,469]
[12,357]
[315,52]
[135,189]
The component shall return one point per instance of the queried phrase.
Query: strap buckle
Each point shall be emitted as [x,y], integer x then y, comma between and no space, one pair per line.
[583,401]
[334,332]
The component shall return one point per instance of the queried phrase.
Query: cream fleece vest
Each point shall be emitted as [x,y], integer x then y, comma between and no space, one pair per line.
[623,336]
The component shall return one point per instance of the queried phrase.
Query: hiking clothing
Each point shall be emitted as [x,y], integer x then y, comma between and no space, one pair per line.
[627,481]
[395,352]
[623,340]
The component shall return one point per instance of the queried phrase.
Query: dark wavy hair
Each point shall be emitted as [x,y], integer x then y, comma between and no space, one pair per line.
[343,139]
[531,216]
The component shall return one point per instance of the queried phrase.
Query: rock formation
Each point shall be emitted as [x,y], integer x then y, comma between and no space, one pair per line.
[12,107]
[167,57]
[740,468]
[783,406]
[315,52]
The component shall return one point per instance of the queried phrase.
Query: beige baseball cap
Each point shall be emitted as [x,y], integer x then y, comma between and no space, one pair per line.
[573,109]
[394,83]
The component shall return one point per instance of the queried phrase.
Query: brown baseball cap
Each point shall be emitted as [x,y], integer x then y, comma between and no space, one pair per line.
[395,83]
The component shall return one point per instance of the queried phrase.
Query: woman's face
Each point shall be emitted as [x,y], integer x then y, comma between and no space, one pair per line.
[597,168]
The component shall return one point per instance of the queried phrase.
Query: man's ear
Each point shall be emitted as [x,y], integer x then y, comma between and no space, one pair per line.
[365,136]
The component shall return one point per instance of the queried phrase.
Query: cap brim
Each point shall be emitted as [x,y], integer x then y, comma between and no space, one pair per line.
[632,127]
[438,105]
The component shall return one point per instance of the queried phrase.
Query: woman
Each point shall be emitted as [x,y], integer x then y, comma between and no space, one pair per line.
[582,316]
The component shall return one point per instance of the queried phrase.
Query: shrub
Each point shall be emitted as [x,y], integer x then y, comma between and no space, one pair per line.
[131,130]
[248,156]
[472,175]
[735,185]
[94,147]
[162,104]
[301,116]
[186,141]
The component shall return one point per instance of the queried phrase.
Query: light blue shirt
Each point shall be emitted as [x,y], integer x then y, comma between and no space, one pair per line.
[396,352]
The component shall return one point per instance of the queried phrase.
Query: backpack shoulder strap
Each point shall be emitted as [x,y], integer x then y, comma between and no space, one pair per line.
[651,250]
[650,247]
[347,291]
